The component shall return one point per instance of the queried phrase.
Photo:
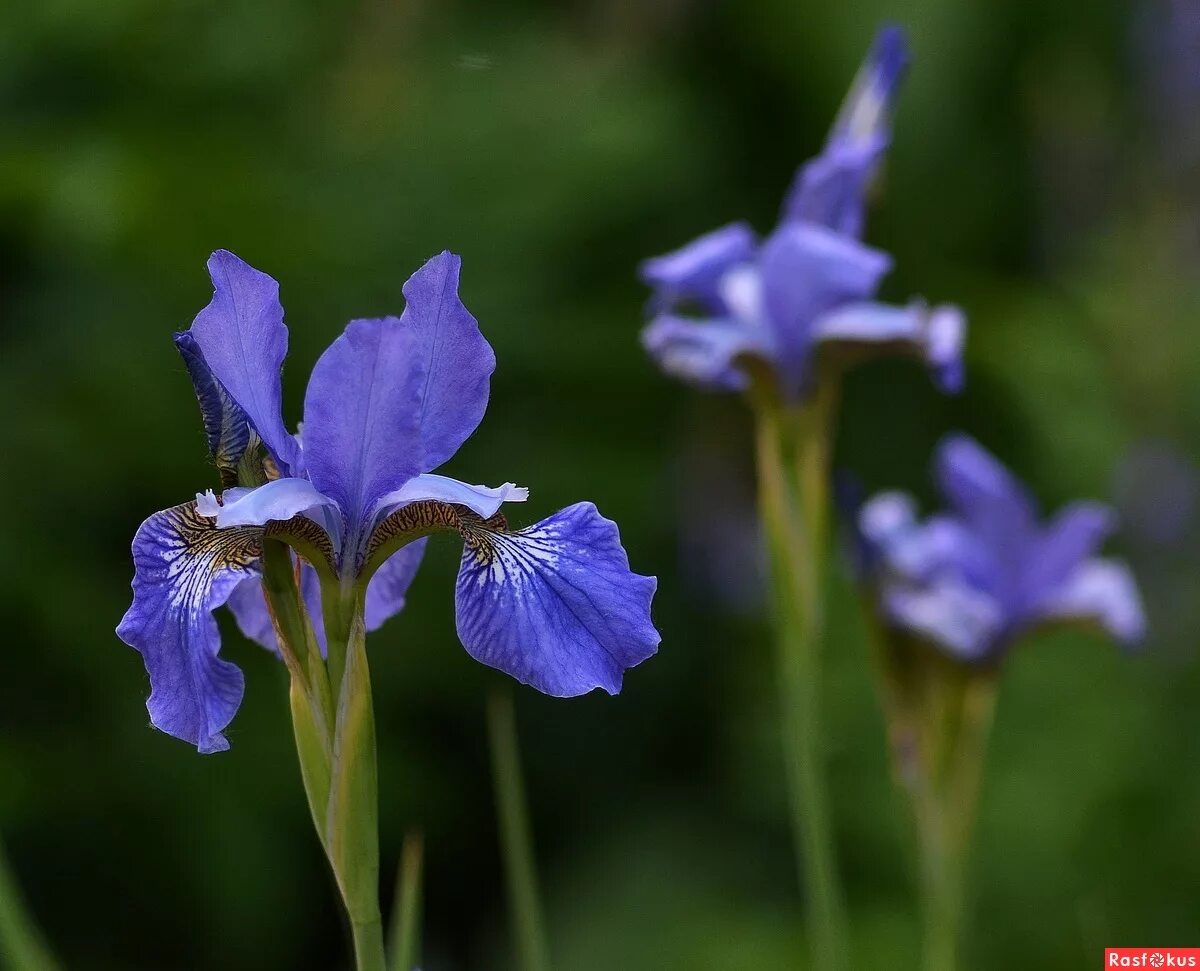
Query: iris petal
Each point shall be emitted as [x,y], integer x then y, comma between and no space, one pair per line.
[990,500]
[387,590]
[184,568]
[249,608]
[362,432]
[1073,536]
[385,598]
[278,501]
[555,605]
[961,619]
[934,336]
[701,352]
[694,272]
[484,501]
[244,341]
[458,362]
[831,189]
[806,271]
[1104,592]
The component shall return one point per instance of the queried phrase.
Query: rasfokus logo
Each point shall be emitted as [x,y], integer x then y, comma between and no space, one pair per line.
[1152,957]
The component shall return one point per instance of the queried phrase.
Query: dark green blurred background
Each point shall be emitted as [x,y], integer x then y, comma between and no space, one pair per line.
[1043,175]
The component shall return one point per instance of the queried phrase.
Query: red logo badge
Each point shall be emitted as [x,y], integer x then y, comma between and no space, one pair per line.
[1152,957]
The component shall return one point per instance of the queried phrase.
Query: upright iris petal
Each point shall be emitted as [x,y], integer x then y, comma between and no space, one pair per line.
[807,271]
[555,605]
[244,341]
[976,578]
[185,568]
[1064,544]
[985,495]
[362,432]
[456,359]
[831,189]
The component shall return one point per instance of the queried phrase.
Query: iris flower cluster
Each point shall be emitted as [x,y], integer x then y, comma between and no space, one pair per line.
[779,318]
[354,494]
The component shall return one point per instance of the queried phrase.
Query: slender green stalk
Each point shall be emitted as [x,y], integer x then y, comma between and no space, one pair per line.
[945,817]
[516,842]
[335,742]
[368,944]
[21,944]
[405,943]
[792,446]
[352,818]
[939,715]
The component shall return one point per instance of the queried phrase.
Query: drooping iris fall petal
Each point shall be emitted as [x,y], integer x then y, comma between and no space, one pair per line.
[184,569]
[555,605]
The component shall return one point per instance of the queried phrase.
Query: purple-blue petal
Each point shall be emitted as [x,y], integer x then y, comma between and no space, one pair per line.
[1104,592]
[963,621]
[807,270]
[936,336]
[986,496]
[388,589]
[184,568]
[385,598]
[249,608]
[1062,546]
[484,501]
[243,339]
[945,334]
[457,360]
[278,500]
[701,352]
[694,271]
[555,605]
[362,431]
[831,189]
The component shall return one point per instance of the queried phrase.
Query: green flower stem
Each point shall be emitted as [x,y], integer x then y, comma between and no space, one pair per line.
[939,714]
[352,818]
[21,944]
[516,842]
[792,446]
[945,816]
[335,741]
[309,693]
[404,945]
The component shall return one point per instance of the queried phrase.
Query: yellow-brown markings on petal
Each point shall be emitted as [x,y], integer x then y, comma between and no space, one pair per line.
[196,549]
[422,518]
[306,537]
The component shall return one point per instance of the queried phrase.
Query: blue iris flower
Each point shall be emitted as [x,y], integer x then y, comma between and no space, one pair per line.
[807,289]
[976,577]
[555,604]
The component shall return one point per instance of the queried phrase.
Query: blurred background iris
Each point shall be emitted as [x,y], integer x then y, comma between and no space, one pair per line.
[1044,174]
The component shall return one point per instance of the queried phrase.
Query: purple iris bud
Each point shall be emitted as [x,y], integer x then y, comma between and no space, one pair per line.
[976,577]
[832,188]
[555,604]
[809,288]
